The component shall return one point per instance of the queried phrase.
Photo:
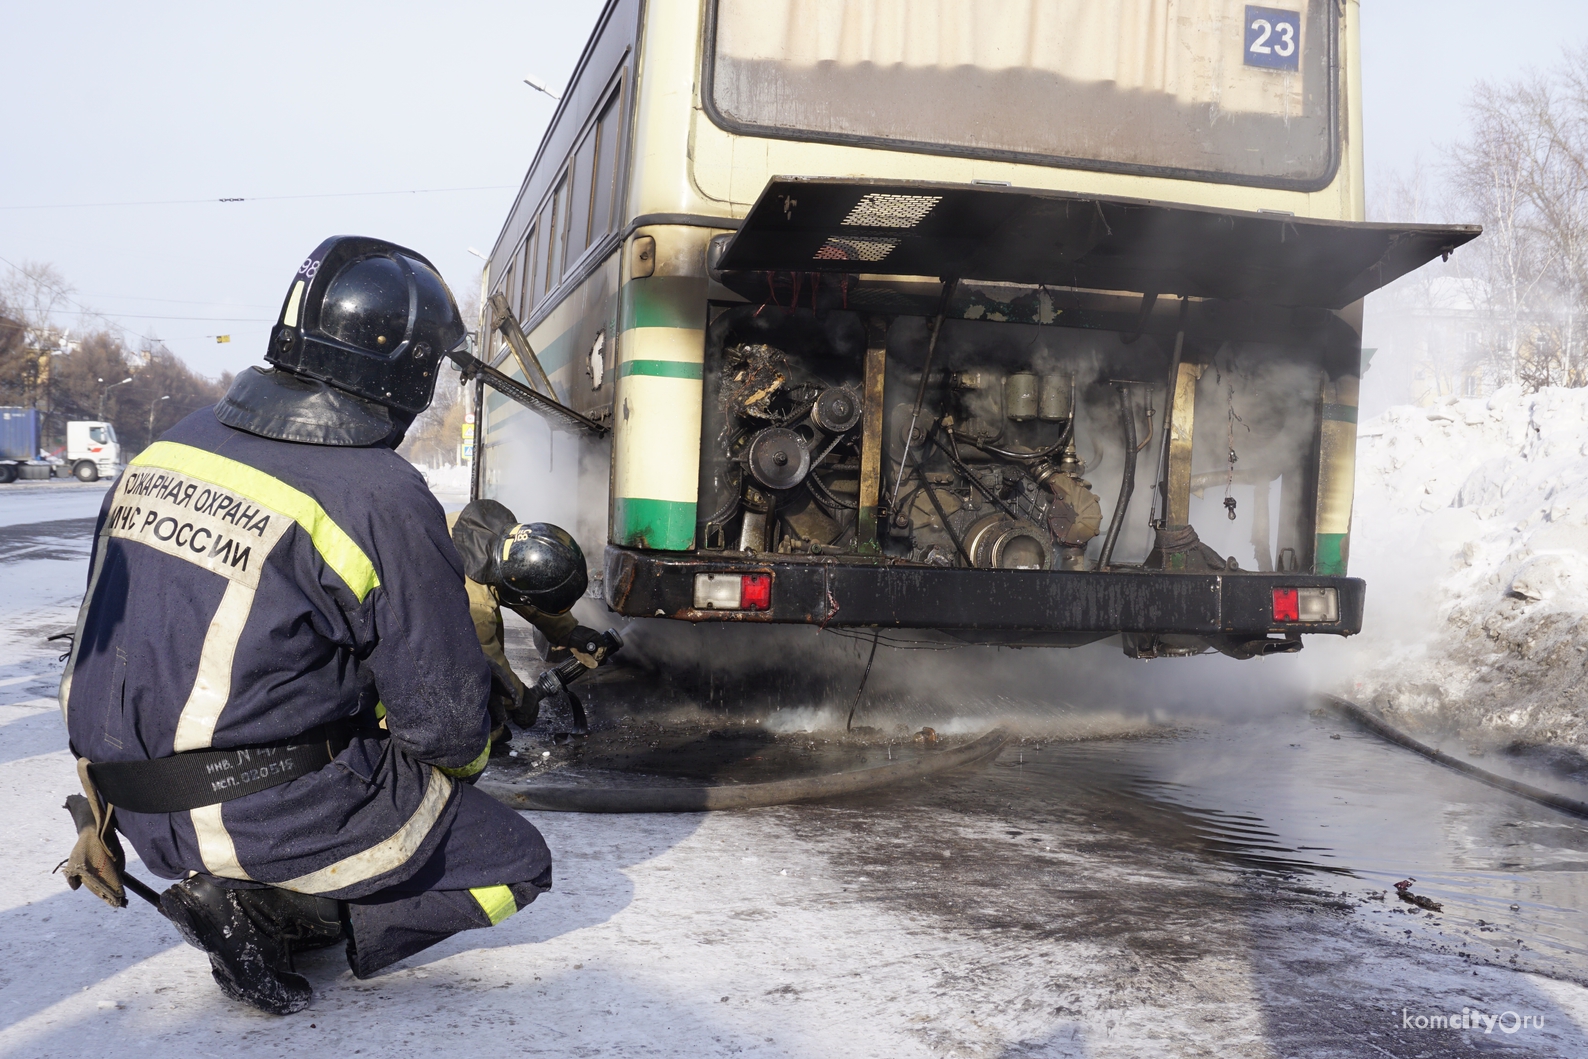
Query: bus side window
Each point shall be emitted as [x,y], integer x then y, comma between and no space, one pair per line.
[604,204]
[557,232]
[544,226]
[580,178]
[527,299]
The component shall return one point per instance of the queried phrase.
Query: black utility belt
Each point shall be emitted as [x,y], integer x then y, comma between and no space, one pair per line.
[208,777]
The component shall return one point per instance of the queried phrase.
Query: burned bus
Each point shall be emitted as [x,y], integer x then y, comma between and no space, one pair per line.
[1035,322]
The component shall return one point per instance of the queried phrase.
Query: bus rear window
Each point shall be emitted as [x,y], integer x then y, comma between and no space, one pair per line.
[1201,89]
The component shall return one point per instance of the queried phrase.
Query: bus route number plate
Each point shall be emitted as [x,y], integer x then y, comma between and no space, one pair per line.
[1273,38]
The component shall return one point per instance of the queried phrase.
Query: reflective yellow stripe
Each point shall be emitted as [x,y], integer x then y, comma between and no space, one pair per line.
[495,901]
[330,540]
[385,855]
[477,765]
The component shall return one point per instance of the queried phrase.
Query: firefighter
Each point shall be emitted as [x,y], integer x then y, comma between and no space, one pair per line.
[538,571]
[275,691]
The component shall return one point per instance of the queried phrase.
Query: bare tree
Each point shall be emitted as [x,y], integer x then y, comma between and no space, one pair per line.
[1523,169]
[34,293]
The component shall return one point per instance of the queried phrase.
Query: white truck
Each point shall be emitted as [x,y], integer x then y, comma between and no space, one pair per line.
[92,449]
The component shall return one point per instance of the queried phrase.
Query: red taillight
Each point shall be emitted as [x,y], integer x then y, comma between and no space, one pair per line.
[1286,605]
[756,593]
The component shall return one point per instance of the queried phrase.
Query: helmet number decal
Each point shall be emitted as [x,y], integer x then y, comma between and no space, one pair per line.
[308,269]
[518,533]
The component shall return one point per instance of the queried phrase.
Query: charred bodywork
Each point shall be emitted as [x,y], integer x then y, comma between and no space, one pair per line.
[1033,417]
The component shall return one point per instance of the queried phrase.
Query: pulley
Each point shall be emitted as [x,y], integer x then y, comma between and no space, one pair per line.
[837,410]
[779,458]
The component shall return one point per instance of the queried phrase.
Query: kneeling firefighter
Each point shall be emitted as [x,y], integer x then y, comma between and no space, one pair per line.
[275,691]
[538,571]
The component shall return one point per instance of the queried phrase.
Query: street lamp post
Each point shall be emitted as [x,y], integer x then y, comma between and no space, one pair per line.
[105,392]
[152,405]
[540,86]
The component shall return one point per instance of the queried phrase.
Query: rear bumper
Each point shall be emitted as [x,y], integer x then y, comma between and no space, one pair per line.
[832,593]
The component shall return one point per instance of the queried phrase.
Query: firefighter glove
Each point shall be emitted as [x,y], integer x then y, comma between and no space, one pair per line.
[97,860]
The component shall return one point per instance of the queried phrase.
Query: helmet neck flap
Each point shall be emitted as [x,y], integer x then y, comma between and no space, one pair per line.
[287,407]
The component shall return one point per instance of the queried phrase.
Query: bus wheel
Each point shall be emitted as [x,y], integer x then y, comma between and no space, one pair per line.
[86,471]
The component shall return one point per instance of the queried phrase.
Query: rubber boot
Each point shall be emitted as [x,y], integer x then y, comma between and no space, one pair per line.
[302,921]
[248,964]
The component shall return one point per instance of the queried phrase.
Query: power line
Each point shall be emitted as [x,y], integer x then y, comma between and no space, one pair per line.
[83,310]
[172,301]
[254,198]
[136,316]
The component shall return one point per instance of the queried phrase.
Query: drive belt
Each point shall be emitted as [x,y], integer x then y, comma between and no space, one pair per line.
[208,777]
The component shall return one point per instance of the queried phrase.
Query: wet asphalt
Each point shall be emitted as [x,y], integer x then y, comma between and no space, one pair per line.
[1217,888]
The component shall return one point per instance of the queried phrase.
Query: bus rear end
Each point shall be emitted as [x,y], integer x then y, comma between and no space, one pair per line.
[960,373]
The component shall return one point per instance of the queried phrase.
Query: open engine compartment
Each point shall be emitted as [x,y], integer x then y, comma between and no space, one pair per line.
[1011,452]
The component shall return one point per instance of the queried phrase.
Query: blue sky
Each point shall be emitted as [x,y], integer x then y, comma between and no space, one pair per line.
[117,103]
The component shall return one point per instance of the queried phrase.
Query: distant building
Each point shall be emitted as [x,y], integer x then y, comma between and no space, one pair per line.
[1455,344]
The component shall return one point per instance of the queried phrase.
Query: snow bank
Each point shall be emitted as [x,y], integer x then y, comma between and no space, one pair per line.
[1471,527]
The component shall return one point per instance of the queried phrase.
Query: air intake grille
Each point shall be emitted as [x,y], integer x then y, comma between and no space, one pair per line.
[855,249]
[891,211]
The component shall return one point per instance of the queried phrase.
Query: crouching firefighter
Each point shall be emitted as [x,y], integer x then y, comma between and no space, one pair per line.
[275,691]
[537,571]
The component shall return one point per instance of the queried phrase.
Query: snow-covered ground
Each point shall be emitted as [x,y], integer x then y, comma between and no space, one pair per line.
[1192,893]
[1471,527]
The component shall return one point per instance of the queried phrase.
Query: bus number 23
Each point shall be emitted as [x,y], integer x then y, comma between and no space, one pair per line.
[1273,38]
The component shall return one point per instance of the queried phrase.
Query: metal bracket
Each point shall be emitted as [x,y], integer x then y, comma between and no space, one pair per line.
[472,366]
[507,323]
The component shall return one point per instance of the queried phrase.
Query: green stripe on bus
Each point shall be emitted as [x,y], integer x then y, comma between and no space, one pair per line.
[558,352]
[665,525]
[1331,551]
[663,301]
[1340,413]
[667,369]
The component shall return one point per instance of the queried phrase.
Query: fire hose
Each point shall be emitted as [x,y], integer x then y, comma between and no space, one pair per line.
[1388,732]
[713,797]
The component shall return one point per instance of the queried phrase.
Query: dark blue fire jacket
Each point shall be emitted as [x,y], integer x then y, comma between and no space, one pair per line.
[244,591]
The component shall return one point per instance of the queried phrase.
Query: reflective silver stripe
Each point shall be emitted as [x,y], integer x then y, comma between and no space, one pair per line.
[65,693]
[385,855]
[215,844]
[212,685]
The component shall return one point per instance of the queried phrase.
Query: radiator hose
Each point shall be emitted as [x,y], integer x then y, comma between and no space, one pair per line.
[1127,484]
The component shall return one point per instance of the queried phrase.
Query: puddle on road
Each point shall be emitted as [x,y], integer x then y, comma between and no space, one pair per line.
[1352,814]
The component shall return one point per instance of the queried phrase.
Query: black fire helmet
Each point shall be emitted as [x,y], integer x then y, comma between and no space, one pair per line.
[535,564]
[357,347]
